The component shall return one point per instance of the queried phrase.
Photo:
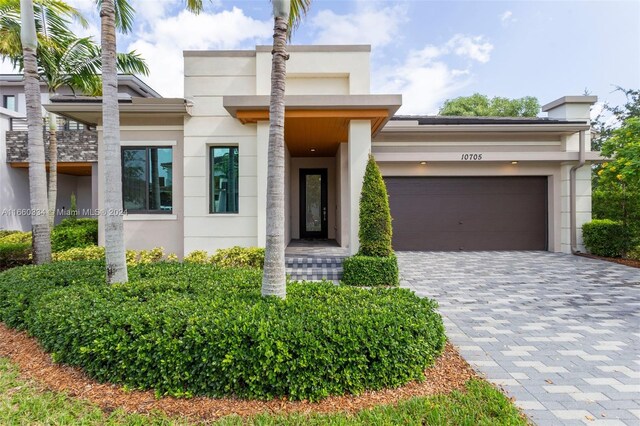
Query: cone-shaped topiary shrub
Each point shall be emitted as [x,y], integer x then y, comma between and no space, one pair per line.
[375,216]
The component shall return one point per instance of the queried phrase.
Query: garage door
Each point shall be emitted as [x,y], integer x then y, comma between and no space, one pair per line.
[468,213]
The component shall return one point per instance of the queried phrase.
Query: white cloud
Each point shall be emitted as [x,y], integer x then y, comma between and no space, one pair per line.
[162,46]
[507,17]
[476,48]
[368,24]
[425,79]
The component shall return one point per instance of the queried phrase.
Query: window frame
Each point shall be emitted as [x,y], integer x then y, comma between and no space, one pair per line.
[147,149]
[211,197]
[5,98]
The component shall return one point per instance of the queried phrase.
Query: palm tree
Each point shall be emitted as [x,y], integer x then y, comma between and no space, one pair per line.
[41,239]
[287,14]
[115,13]
[64,60]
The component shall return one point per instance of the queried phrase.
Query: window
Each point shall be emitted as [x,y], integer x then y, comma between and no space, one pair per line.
[224,179]
[9,102]
[147,179]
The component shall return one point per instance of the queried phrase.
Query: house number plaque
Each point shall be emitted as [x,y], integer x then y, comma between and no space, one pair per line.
[471,157]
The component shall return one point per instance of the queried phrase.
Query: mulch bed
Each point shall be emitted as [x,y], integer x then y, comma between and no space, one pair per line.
[628,262]
[450,372]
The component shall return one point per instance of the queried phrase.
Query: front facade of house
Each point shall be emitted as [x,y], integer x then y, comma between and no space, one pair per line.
[195,169]
[77,152]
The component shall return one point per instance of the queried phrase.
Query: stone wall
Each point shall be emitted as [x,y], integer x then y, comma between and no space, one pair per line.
[73,146]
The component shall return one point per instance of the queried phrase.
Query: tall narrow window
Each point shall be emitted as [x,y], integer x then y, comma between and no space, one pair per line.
[224,179]
[147,179]
[9,102]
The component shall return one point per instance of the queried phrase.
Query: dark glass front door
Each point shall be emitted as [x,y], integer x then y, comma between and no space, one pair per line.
[313,203]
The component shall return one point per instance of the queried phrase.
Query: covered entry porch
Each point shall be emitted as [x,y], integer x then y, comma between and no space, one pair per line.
[328,140]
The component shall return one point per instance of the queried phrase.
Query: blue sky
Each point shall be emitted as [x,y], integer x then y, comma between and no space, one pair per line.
[427,50]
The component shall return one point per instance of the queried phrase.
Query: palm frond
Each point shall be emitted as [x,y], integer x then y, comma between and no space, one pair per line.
[299,9]
[124,14]
[194,6]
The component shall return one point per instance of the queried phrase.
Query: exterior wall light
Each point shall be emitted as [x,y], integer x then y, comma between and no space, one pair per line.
[423,162]
[514,162]
[312,150]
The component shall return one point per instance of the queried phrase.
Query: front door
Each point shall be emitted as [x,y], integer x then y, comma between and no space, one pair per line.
[313,203]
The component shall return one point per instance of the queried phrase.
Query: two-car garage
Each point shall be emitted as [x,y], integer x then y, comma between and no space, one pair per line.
[469,213]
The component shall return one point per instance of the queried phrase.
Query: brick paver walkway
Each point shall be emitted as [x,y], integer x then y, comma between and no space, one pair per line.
[559,333]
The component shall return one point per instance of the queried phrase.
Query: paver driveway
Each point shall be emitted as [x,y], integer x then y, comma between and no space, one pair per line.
[560,333]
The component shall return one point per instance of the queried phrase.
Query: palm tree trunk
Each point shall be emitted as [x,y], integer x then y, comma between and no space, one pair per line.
[41,236]
[53,169]
[274,278]
[112,167]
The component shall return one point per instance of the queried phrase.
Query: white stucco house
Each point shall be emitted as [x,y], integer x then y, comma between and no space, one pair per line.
[195,168]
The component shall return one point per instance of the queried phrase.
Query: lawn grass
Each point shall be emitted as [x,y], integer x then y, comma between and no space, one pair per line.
[23,402]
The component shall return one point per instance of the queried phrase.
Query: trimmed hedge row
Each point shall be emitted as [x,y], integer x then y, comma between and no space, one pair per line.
[191,329]
[370,271]
[605,237]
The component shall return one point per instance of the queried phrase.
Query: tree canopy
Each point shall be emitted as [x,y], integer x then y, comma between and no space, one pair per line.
[478,105]
[63,58]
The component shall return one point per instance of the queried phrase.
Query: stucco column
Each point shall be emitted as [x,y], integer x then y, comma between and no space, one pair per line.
[583,204]
[359,147]
[262,148]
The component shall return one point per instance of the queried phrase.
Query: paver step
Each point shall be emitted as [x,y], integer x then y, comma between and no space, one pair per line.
[314,268]
[315,274]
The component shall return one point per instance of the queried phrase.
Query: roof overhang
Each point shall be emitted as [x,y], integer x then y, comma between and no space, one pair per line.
[316,124]
[413,127]
[89,110]
[82,168]
[499,157]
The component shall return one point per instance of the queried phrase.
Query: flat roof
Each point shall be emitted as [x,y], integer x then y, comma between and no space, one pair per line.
[128,80]
[335,48]
[89,109]
[424,120]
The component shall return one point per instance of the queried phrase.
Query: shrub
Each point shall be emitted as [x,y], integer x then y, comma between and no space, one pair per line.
[370,271]
[604,237]
[619,205]
[134,257]
[16,237]
[14,254]
[74,233]
[375,217]
[634,253]
[82,253]
[197,256]
[15,249]
[5,232]
[239,257]
[190,329]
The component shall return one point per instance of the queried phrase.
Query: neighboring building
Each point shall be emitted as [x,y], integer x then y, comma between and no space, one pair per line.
[195,169]
[77,151]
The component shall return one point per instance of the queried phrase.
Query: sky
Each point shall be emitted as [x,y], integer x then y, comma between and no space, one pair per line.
[428,51]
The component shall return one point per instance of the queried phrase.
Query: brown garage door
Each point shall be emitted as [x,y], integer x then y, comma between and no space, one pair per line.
[468,213]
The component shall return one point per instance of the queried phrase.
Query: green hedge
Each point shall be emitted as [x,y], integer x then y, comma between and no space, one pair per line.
[15,248]
[620,206]
[375,217]
[14,254]
[370,271]
[604,237]
[74,233]
[191,329]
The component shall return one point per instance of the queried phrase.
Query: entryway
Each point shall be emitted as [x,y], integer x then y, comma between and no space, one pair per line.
[313,203]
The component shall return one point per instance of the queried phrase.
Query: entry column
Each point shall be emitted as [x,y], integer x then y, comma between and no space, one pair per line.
[359,148]
[262,158]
